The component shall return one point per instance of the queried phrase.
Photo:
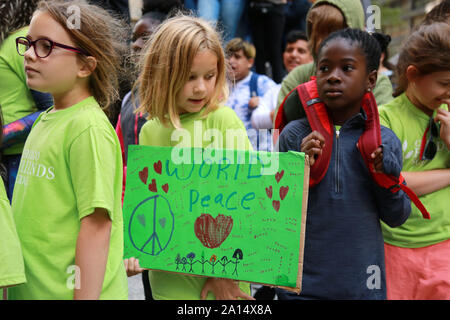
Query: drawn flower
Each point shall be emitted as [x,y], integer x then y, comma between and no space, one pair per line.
[213,258]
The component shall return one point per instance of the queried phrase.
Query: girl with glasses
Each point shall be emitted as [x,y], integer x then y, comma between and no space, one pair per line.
[67,197]
[418,252]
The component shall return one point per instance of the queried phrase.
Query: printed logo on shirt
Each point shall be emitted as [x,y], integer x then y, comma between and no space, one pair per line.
[30,167]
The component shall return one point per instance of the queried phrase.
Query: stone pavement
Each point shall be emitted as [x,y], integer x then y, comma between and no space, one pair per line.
[135,288]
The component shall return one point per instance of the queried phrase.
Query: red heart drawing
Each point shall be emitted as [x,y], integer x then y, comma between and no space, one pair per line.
[165,187]
[152,186]
[279,175]
[158,167]
[143,175]
[212,232]
[283,192]
[269,192]
[276,205]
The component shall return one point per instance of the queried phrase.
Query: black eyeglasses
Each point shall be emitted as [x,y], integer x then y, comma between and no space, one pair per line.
[430,147]
[42,47]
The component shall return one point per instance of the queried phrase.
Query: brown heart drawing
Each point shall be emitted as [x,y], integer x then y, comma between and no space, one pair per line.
[269,192]
[152,186]
[212,232]
[276,205]
[158,167]
[165,187]
[283,192]
[279,175]
[143,175]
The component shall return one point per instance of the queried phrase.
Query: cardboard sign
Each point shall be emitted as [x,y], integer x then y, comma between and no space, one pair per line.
[217,213]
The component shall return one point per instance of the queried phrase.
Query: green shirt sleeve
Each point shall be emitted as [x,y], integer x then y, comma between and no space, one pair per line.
[93,161]
[12,269]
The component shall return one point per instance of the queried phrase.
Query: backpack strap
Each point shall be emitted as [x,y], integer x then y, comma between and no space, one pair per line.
[369,141]
[319,120]
[254,85]
[280,120]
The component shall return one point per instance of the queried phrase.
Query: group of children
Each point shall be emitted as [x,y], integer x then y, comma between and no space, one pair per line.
[67,206]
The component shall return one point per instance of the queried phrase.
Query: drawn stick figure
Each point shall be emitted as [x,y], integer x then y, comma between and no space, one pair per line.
[238,255]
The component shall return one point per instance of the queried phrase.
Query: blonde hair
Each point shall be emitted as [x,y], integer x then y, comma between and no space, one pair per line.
[166,64]
[322,20]
[101,35]
[427,49]
[236,44]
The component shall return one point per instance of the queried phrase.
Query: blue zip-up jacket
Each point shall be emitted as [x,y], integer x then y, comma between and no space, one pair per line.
[344,249]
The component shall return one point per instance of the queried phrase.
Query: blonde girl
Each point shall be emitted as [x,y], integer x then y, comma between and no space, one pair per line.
[418,252]
[66,201]
[182,85]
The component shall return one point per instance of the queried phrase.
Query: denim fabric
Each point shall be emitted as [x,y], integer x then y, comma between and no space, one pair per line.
[190,4]
[228,11]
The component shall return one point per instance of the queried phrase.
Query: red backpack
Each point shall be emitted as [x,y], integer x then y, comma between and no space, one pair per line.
[320,121]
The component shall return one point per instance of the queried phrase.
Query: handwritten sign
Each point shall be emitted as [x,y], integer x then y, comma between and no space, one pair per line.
[217,214]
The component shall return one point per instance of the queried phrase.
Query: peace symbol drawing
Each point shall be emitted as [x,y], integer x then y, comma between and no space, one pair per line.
[151,225]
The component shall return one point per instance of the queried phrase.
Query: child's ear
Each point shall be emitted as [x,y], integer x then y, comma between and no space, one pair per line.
[371,80]
[412,73]
[251,61]
[87,67]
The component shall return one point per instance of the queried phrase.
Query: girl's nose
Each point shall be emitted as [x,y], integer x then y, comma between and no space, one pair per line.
[199,86]
[334,77]
[30,54]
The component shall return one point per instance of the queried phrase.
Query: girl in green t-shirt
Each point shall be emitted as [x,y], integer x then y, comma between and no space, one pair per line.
[66,199]
[418,252]
[181,84]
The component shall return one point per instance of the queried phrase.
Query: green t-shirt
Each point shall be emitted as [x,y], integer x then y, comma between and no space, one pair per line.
[15,97]
[71,164]
[409,124]
[12,270]
[172,286]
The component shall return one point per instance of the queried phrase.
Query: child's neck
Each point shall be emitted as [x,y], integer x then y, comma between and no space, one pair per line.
[409,93]
[339,117]
[67,99]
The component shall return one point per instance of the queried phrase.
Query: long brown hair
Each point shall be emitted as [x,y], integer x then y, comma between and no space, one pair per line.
[427,49]
[102,35]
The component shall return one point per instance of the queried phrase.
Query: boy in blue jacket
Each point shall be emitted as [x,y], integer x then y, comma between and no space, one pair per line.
[344,254]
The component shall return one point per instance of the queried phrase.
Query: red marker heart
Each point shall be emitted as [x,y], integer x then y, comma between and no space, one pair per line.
[212,232]
[279,175]
[283,192]
[276,205]
[143,175]
[269,192]
[152,186]
[158,167]
[165,187]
